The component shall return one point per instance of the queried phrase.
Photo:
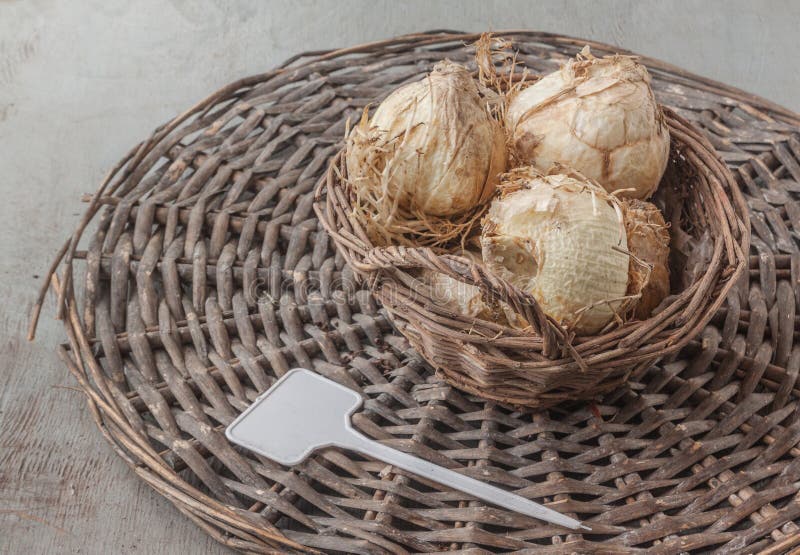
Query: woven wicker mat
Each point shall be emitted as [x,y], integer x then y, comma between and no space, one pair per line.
[203,275]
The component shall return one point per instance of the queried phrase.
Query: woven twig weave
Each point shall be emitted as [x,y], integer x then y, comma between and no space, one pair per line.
[200,273]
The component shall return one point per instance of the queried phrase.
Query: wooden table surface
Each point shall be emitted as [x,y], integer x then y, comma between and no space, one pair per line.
[69,110]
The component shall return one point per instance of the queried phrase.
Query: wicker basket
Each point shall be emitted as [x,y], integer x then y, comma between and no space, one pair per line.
[544,365]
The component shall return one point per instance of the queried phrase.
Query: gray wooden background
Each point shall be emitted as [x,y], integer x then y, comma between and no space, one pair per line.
[81,82]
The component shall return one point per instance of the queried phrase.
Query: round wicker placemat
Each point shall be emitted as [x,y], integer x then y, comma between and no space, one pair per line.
[205,275]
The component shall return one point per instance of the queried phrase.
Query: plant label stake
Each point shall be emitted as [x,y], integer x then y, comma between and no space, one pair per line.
[303,412]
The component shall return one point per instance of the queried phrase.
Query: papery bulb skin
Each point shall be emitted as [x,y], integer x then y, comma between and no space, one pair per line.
[432,148]
[597,116]
[467,299]
[648,243]
[457,295]
[561,239]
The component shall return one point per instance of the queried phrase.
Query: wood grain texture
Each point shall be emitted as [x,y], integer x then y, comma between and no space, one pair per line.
[62,488]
